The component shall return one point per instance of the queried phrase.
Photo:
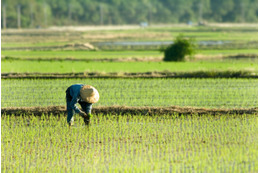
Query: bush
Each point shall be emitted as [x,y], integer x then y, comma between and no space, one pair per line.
[179,49]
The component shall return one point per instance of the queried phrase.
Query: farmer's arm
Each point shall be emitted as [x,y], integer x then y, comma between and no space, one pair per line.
[73,103]
[75,94]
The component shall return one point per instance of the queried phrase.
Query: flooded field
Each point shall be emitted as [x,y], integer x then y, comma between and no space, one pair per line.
[198,115]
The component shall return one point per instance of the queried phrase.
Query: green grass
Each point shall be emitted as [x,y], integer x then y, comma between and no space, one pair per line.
[39,38]
[26,44]
[112,54]
[81,54]
[199,29]
[203,33]
[224,36]
[130,144]
[84,66]
[208,93]
[227,52]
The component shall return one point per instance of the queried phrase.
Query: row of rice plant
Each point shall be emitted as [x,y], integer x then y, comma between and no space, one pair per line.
[52,66]
[209,93]
[130,144]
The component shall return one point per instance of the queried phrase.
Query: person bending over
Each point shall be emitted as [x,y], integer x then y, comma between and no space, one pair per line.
[85,95]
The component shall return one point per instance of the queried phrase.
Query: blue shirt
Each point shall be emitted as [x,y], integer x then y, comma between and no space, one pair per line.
[74,91]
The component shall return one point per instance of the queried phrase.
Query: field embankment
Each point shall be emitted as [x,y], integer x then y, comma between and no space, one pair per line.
[126,110]
[155,74]
[156,57]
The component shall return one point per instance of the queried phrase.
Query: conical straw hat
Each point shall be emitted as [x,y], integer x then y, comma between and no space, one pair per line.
[89,94]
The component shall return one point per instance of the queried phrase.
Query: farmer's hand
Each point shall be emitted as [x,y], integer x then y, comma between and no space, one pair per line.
[83,114]
[87,119]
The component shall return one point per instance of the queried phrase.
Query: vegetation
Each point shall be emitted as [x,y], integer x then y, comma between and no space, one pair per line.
[179,49]
[84,55]
[207,93]
[224,139]
[96,55]
[42,13]
[237,37]
[21,66]
[130,144]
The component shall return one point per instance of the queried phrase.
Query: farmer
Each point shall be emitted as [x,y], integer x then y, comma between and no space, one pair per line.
[85,95]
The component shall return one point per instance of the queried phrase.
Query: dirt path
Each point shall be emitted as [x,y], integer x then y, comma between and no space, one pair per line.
[155,74]
[125,110]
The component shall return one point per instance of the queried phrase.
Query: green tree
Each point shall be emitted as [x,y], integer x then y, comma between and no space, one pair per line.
[201,10]
[179,49]
[244,11]
[221,9]
[88,12]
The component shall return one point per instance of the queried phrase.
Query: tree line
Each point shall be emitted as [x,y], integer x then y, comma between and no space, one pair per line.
[43,13]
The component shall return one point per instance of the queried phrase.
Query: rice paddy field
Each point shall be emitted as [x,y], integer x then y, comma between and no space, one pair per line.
[117,67]
[130,144]
[35,66]
[208,93]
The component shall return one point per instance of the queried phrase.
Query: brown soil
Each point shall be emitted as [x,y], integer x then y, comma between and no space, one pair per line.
[125,110]
[155,74]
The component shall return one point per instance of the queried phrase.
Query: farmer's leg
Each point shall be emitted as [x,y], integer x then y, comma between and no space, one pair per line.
[70,114]
[87,109]
[70,111]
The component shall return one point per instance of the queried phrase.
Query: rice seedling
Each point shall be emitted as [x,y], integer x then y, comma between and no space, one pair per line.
[165,143]
[208,93]
[21,66]
[130,143]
